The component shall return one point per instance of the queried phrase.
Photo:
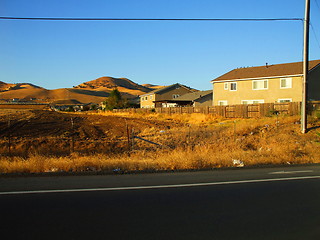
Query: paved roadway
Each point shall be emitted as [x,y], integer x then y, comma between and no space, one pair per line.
[269,203]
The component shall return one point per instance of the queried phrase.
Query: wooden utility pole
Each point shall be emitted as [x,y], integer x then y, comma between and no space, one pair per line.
[304,119]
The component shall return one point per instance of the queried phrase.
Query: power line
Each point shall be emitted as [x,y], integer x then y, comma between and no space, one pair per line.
[151,19]
[315,35]
[317,4]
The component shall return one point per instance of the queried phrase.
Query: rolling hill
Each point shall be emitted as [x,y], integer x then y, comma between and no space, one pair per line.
[94,91]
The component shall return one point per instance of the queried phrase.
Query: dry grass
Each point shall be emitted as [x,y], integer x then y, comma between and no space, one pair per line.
[204,142]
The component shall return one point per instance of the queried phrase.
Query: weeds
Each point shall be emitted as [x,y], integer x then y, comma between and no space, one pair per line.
[199,142]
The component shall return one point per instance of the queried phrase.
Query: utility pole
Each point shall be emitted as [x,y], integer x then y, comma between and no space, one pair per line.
[305,68]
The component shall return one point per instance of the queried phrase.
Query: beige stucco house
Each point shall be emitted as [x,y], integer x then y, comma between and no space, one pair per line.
[266,84]
[161,97]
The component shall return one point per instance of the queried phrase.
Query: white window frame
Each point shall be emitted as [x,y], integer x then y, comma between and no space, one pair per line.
[284,100]
[288,83]
[225,85]
[263,84]
[151,97]
[222,102]
[236,84]
[259,101]
[252,101]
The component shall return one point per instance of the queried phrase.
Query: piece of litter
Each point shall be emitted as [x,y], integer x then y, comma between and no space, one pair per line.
[237,163]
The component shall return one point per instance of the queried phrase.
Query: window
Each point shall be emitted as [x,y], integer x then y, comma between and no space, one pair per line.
[259,84]
[146,98]
[151,97]
[222,102]
[233,86]
[284,100]
[252,101]
[226,86]
[257,101]
[285,82]
[175,95]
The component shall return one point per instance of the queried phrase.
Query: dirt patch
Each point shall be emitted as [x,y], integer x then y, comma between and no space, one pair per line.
[37,123]
[55,133]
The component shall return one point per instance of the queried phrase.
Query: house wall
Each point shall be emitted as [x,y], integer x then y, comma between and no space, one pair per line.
[314,84]
[245,91]
[146,101]
[205,101]
[162,95]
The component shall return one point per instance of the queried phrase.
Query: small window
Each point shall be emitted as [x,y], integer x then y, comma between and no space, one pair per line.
[151,97]
[222,102]
[285,100]
[226,86]
[257,101]
[175,95]
[259,84]
[285,82]
[252,101]
[146,98]
[233,86]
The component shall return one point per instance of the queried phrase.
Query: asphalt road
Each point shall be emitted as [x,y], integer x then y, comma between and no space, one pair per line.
[270,203]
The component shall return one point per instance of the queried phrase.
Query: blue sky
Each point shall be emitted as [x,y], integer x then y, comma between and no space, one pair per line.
[59,54]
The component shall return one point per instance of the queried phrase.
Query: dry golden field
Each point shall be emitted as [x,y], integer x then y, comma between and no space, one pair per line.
[47,142]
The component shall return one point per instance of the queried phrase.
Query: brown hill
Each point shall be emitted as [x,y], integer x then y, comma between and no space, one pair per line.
[111,83]
[94,91]
[153,87]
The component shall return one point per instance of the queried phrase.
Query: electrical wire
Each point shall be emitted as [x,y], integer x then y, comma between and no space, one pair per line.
[317,4]
[315,35]
[150,19]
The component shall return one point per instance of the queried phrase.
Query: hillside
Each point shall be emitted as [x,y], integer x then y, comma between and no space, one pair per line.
[94,91]
[111,83]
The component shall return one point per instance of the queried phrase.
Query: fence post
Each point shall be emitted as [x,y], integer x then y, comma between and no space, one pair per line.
[132,139]
[9,137]
[72,136]
[128,136]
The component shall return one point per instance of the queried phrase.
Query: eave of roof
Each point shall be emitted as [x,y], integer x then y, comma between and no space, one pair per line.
[268,71]
[193,96]
[166,87]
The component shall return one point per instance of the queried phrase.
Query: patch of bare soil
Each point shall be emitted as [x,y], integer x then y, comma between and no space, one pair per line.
[54,133]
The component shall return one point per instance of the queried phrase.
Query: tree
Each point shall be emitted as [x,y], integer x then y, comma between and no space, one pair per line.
[115,101]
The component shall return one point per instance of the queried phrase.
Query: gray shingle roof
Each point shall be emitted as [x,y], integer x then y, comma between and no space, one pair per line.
[193,96]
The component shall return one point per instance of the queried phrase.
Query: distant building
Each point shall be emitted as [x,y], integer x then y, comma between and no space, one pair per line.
[162,96]
[193,99]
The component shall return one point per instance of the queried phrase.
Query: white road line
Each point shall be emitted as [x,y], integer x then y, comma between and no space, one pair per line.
[291,172]
[157,186]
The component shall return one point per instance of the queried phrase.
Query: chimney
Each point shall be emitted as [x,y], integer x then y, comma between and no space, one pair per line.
[266,65]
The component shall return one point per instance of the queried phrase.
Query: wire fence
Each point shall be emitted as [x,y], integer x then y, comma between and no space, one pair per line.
[13,144]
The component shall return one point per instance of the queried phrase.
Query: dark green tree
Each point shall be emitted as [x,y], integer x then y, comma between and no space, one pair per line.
[115,101]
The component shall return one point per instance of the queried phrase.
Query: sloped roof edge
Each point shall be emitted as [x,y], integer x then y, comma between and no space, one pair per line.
[267,71]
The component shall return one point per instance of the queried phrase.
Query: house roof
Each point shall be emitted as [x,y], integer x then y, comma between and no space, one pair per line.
[277,70]
[193,96]
[167,87]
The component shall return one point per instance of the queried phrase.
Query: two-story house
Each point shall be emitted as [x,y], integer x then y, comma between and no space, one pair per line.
[161,97]
[266,84]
